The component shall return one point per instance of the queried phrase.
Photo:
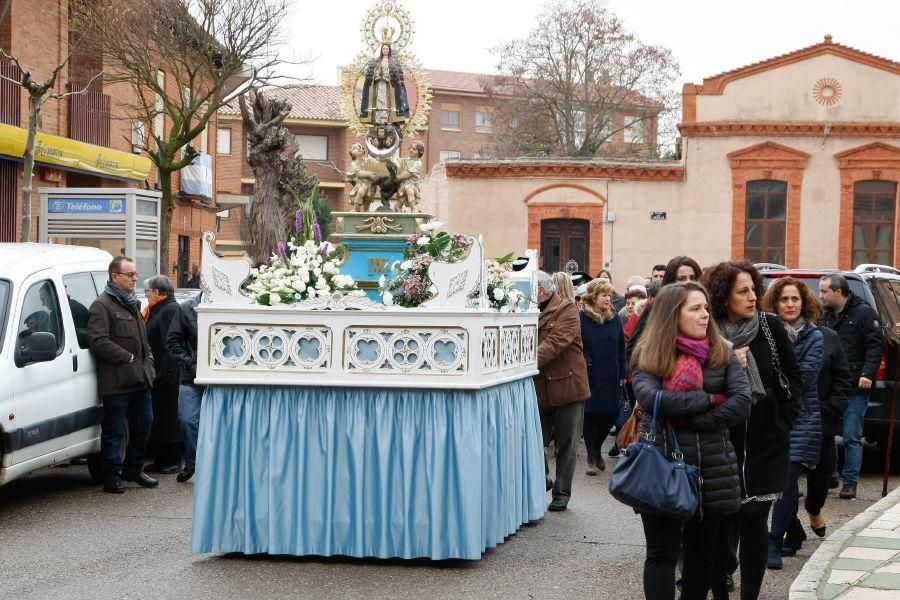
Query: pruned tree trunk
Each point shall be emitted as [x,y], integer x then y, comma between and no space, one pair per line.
[275,167]
[166,210]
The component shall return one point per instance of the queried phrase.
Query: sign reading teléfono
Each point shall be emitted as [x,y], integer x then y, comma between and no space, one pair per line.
[87,206]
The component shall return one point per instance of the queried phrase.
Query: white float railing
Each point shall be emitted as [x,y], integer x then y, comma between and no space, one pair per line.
[462,349]
[350,341]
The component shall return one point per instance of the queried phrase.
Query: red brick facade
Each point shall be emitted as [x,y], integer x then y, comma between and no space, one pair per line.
[37,33]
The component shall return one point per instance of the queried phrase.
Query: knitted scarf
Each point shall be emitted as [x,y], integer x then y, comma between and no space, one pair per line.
[794,329]
[688,374]
[740,335]
[129,300]
[160,298]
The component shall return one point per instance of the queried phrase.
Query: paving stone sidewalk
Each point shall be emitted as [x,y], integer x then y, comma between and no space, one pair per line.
[860,561]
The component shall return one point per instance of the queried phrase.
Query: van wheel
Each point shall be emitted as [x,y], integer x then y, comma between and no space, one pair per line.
[95,461]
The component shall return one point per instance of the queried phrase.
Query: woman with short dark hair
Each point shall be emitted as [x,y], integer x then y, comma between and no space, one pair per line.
[165,437]
[763,441]
[702,392]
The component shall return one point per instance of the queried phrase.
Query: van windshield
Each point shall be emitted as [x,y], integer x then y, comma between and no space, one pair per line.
[4,308]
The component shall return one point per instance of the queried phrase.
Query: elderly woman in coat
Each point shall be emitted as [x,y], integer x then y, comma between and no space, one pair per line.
[561,384]
[792,300]
[604,352]
[165,438]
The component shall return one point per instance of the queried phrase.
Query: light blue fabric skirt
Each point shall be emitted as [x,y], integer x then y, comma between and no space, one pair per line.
[366,472]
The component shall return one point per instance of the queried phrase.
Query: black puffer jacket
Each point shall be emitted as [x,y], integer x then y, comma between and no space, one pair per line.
[834,383]
[702,428]
[860,332]
[763,442]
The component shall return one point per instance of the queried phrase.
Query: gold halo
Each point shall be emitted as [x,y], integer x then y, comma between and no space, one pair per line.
[387,13]
[417,121]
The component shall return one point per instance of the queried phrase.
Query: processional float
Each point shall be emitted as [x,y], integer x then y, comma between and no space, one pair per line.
[334,423]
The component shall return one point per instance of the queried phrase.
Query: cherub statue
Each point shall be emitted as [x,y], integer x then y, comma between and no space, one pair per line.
[362,177]
[409,177]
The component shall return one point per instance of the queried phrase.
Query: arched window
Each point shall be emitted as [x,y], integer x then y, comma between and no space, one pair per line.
[766,212]
[874,212]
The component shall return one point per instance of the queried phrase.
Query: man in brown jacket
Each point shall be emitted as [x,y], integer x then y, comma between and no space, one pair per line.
[125,375]
[562,384]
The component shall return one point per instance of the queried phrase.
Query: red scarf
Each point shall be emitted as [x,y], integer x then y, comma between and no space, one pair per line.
[688,376]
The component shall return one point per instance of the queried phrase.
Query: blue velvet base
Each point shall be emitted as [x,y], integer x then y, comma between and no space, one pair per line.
[366,472]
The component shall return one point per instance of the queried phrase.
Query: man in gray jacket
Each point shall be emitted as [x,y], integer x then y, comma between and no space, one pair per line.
[125,374]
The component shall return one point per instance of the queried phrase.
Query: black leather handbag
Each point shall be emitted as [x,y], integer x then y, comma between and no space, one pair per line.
[647,481]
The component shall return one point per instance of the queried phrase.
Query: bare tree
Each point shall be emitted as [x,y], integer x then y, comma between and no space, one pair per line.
[280,174]
[38,94]
[564,89]
[183,60]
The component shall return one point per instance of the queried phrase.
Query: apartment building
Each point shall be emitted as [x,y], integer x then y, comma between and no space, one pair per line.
[87,140]
[460,126]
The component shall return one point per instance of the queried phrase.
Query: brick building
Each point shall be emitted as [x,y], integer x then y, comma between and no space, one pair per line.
[91,125]
[460,125]
[792,160]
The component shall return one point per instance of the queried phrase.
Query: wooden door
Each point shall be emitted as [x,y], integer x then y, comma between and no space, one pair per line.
[564,245]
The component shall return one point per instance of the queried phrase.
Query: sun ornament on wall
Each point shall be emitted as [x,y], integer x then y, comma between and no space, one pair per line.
[827,91]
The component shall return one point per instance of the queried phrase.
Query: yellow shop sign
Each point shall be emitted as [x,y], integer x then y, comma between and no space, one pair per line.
[63,152]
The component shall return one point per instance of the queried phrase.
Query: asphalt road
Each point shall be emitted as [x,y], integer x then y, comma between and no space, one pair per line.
[62,537]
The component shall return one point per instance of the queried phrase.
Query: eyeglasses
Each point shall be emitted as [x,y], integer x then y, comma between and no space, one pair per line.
[132,275]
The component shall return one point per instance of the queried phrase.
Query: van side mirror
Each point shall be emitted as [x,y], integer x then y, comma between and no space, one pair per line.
[39,346]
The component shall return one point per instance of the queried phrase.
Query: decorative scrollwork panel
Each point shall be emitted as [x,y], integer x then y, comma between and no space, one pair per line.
[306,348]
[388,350]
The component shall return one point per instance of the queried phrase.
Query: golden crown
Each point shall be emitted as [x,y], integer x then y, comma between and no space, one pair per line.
[387,35]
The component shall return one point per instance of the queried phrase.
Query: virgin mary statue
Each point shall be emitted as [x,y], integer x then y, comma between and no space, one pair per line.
[384,98]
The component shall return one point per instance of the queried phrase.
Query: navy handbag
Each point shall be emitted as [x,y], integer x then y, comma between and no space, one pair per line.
[647,481]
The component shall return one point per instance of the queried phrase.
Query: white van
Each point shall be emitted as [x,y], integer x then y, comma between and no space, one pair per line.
[50,411]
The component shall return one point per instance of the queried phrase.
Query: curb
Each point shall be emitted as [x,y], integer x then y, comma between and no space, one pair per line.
[806,585]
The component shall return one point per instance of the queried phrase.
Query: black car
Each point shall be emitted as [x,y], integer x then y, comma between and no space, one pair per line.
[879,286]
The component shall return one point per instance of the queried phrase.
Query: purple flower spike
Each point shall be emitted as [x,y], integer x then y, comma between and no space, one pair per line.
[298,220]
[317,232]
[281,250]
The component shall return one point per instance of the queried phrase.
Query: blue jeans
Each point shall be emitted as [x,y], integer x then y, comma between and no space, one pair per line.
[785,509]
[138,408]
[189,400]
[853,429]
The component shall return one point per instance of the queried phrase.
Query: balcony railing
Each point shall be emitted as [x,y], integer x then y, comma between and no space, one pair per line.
[10,94]
[88,115]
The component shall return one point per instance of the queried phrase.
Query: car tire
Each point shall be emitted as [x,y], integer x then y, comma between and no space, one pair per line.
[95,460]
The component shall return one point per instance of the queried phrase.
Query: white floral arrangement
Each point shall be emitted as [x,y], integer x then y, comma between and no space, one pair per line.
[299,272]
[501,292]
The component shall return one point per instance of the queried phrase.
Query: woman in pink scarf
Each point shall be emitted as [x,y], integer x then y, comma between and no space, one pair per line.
[704,391]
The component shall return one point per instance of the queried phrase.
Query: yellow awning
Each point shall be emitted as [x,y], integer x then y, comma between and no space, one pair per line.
[55,150]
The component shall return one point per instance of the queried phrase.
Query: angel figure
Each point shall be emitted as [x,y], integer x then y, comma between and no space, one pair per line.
[410,176]
[362,178]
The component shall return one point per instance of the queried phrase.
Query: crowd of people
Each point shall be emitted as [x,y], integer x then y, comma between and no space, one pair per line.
[146,365]
[755,382]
